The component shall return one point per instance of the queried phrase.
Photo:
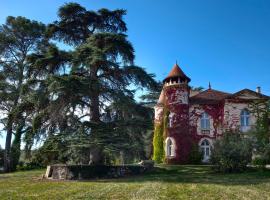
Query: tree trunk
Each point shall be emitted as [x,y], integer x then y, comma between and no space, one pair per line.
[94,95]
[94,108]
[16,146]
[7,157]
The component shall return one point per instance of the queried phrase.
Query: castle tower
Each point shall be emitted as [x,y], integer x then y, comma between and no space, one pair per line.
[172,111]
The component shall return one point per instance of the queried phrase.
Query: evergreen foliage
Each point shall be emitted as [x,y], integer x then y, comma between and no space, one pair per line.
[18,38]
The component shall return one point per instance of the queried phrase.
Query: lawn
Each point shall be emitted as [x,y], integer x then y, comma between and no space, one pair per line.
[167,182]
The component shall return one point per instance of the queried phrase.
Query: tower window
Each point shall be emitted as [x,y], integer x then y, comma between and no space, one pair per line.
[205,122]
[170,147]
[170,119]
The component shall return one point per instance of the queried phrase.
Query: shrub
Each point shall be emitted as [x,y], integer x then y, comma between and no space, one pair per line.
[23,166]
[196,155]
[74,172]
[259,162]
[231,153]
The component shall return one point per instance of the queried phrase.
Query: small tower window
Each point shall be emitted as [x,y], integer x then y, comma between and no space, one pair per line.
[170,147]
[170,119]
[205,122]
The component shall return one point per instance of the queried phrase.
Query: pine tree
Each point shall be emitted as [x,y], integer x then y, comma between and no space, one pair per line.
[99,72]
[18,38]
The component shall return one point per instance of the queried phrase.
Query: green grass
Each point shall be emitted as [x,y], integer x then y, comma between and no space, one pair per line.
[167,182]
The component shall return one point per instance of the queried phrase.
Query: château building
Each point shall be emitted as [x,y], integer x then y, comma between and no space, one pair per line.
[186,118]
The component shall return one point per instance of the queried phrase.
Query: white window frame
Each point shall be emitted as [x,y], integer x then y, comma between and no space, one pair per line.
[205,121]
[245,118]
[205,149]
[170,147]
[170,119]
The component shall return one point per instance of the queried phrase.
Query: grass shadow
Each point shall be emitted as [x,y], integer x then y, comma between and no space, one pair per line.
[197,174]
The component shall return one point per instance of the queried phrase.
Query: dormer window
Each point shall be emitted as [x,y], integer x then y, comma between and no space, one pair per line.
[245,120]
[205,122]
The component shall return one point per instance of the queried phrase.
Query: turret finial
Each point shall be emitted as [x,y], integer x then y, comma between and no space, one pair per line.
[209,86]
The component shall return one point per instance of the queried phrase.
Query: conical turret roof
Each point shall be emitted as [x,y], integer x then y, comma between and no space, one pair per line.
[177,72]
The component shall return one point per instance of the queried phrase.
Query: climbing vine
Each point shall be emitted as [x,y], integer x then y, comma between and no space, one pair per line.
[158,154]
[160,135]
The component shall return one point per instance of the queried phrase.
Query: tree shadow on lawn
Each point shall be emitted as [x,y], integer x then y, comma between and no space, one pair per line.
[197,174]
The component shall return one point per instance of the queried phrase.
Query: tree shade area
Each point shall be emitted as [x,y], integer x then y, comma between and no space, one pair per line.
[78,103]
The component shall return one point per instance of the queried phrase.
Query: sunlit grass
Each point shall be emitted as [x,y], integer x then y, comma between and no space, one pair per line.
[167,182]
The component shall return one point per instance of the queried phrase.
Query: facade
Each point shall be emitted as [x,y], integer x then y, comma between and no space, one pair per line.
[187,118]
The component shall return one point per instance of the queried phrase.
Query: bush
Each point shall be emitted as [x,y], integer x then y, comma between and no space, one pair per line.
[75,172]
[259,162]
[196,155]
[22,166]
[263,158]
[231,153]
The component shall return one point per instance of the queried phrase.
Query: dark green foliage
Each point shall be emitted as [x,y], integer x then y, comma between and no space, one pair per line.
[261,133]
[18,38]
[76,23]
[195,156]
[262,158]
[23,166]
[96,171]
[80,102]
[231,153]
[1,157]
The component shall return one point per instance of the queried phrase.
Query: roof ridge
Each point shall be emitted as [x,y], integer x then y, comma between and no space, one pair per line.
[212,90]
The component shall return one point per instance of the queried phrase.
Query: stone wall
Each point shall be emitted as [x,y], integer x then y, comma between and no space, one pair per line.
[81,172]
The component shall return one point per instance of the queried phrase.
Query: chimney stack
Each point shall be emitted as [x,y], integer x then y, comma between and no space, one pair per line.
[258,89]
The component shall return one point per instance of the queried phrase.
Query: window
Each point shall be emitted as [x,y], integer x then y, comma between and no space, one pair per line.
[170,147]
[170,120]
[206,150]
[245,121]
[244,118]
[205,122]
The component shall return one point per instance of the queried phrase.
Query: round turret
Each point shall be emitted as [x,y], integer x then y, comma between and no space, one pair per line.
[176,76]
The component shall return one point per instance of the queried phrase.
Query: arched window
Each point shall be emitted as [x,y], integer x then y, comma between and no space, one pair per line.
[205,149]
[170,147]
[244,118]
[205,122]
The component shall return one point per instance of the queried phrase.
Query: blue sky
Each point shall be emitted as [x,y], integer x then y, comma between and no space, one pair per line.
[226,42]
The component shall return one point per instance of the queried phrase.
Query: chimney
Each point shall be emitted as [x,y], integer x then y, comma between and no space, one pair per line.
[258,89]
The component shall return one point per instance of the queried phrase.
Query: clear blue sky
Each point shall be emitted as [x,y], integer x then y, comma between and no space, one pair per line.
[226,42]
